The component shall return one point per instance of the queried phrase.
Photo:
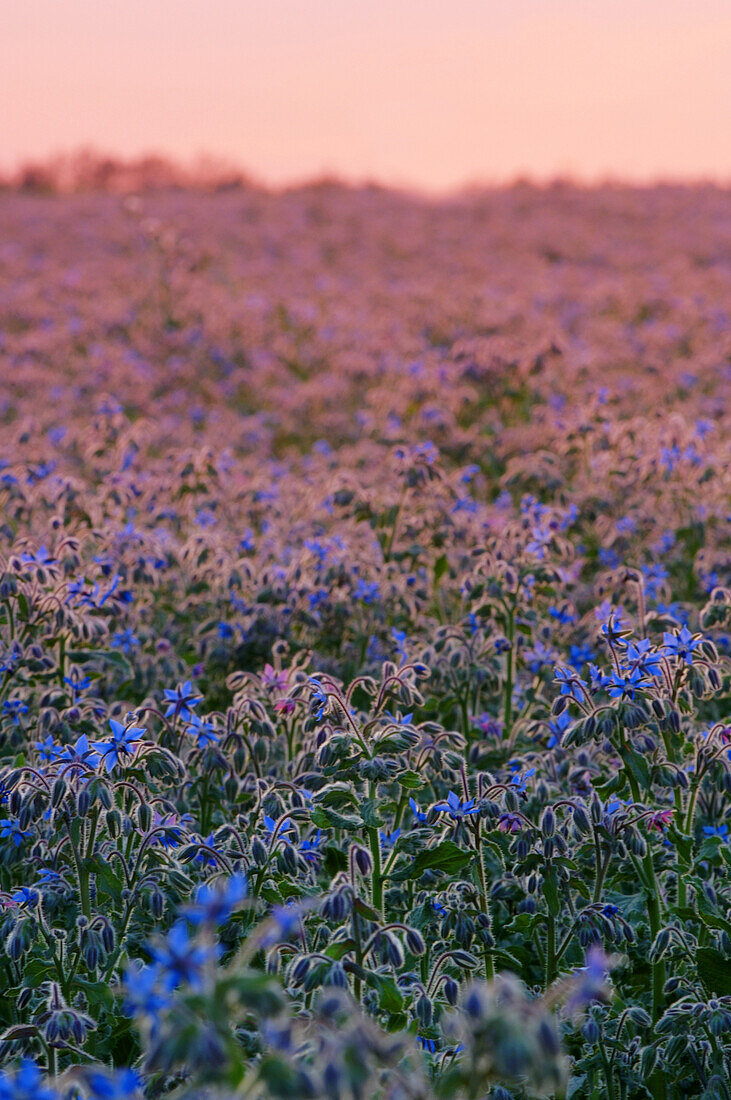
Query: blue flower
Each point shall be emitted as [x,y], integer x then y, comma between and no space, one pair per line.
[77,683]
[571,684]
[15,707]
[80,753]
[26,1083]
[204,731]
[681,645]
[561,614]
[598,679]
[143,993]
[623,686]
[309,848]
[614,805]
[456,808]
[654,575]
[181,701]
[319,699]
[389,839]
[26,896]
[125,640]
[580,655]
[181,959]
[214,905]
[48,877]
[205,517]
[48,750]
[418,813]
[539,656]
[270,825]
[123,744]
[716,830]
[317,598]
[366,592]
[540,539]
[41,557]
[642,658]
[669,457]
[557,727]
[613,630]
[11,830]
[590,981]
[205,858]
[120,1084]
[284,923]
[519,781]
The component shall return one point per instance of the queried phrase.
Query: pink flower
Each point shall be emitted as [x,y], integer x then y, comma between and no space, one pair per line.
[274,680]
[659,819]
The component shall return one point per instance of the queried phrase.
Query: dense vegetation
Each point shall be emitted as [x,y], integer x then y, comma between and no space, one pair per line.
[364,645]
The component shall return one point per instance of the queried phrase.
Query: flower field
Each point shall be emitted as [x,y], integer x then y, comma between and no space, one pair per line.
[364,644]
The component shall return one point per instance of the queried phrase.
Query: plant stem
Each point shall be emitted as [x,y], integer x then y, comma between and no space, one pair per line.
[509,665]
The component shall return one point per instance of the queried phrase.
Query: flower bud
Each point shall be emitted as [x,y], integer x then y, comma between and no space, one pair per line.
[157,904]
[363,860]
[288,859]
[423,1010]
[548,822]
[394,950]
[414,942]
[58,792]
[660,944]
[258,852]
[300,970]
[336,976]
[591,1030]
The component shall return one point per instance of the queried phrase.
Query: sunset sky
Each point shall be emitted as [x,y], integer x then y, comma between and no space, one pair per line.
[428,93]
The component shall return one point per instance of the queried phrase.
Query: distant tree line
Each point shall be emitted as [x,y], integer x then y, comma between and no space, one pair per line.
[89,170]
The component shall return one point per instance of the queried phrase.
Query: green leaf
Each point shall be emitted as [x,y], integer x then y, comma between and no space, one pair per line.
[441,566]
[577,1086]
[107,880]
[506,961]
[410,780]
[714,970]
[613,785]
[638,766]
[446,856]
[364,910]
[325,818]
[389,998]
[337,950]
[550,892]
[97,993]
[369,814]
[682,843]
[108,656]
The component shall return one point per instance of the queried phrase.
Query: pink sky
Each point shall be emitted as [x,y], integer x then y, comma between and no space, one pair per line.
[431,93]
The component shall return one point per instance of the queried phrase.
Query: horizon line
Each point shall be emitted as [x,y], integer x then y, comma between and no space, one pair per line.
[210,170]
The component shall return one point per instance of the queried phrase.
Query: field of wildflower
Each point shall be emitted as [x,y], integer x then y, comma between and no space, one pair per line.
[364,644]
